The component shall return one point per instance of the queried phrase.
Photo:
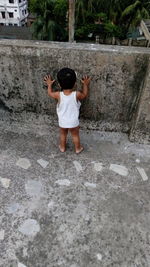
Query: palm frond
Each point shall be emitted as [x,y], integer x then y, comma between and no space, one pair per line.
[145,13]
[130,9]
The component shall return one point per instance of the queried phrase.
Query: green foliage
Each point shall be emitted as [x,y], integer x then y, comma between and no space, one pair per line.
[144,13]
[116,16]
[83,32]
[51,19]
[133,14]
[130,10]
[80,11]
[60,10]
[101,17]
[112,30]
[90,17]
[39,7]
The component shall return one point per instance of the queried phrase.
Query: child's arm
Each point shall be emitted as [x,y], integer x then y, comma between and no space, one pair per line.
[85,81]
[49,82]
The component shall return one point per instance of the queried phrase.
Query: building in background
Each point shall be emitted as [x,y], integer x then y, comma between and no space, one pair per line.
[13,12]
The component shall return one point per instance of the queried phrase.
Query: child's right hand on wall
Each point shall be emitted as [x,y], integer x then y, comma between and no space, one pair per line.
[48,80]
[85,82]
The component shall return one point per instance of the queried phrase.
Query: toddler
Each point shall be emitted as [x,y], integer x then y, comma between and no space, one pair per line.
[68,105]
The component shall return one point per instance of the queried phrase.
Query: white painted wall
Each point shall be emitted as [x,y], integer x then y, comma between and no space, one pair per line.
[19,10]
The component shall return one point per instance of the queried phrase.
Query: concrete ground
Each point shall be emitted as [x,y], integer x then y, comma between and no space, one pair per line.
[68,210]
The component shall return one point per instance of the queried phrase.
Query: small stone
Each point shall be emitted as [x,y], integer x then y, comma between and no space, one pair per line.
[99,256]
[77,166]
[13,208]
[25,252]
[2,233]
[21,264]
[51,204]
[23,163]
[65,182]
[43,163]
[33,188]
[137,161]
[143,174]
[122,170]
[5,182]
[90,185]
[98,167]
[87,218]
[30,227]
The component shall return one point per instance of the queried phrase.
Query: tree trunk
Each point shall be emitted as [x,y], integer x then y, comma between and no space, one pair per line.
[71,20]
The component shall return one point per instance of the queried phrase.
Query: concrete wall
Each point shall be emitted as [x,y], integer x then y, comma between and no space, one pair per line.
[119,76]
[15,32]
[140,130]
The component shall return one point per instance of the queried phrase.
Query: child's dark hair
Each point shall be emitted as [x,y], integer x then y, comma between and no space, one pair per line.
[66,78]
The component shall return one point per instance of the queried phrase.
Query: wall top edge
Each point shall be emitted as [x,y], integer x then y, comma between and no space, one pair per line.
[74,46]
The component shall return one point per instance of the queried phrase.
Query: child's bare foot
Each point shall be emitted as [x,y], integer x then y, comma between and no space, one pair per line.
[62,149]
[79,150]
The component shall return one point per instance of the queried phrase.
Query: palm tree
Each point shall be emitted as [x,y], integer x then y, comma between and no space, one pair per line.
[134,13]
[51,15]
[80,10]
[47,26]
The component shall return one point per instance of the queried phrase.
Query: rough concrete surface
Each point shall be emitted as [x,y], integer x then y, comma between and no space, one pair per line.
[63,209]
[141,125]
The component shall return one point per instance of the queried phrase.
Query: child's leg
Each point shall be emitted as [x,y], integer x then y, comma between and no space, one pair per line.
[63,139]
[76,139]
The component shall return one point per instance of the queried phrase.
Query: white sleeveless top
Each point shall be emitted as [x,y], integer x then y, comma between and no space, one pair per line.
[68,110]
